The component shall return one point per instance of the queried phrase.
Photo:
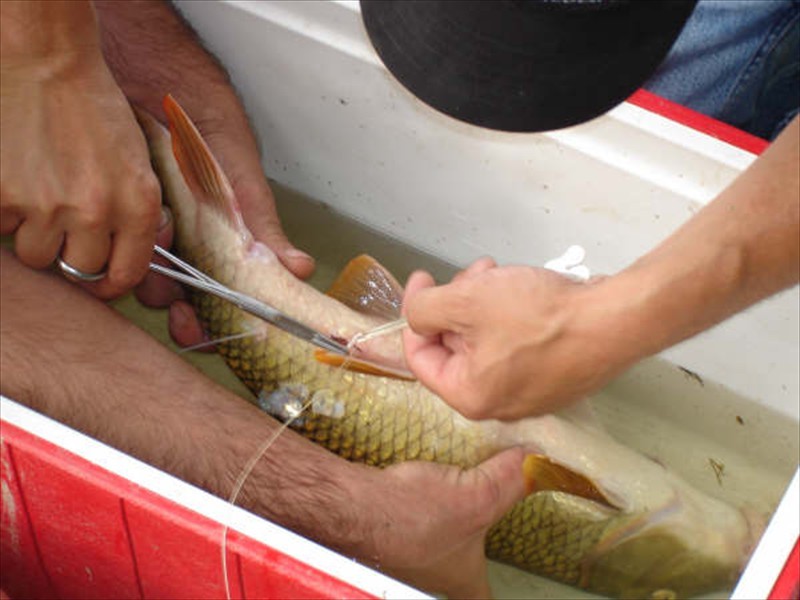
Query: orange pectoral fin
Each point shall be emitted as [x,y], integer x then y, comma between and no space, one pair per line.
[360,366]
[368,287]
[542,474]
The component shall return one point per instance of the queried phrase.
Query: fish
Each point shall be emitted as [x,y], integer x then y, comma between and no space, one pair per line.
[599,515]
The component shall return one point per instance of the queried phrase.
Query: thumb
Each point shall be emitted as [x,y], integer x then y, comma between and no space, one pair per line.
[298,262]
[476,268]
[266,228]
[261,217]
[425,355]
[503,476]
[430,309]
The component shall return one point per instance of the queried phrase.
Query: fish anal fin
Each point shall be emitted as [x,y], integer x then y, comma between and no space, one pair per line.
[368,287]
[542,474]
[200,169]
[357,365]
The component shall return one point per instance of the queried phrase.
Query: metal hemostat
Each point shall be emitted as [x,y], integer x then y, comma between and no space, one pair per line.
[199,280]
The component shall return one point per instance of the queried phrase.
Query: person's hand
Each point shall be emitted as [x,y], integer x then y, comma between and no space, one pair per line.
[241,164]
[75,180]
[261,218]
[505,342]
[433,520]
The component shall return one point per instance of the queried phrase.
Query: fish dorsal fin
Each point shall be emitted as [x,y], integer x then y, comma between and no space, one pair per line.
[200,169]
[542,474]
[368,287]
[358,365]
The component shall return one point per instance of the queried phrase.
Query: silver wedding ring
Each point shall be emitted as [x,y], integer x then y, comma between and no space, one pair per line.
[71,271]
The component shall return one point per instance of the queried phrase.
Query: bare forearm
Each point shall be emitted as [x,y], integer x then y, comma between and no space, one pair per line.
[73,358]
[70,356]
[741,248]
[151,50]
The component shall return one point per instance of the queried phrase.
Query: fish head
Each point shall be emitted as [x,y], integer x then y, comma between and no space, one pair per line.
[663,555]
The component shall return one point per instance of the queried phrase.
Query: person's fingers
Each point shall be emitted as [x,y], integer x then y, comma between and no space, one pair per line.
[417,281]
[425,354]
[135,223]
[298,262]
[596,279]
[494,487]
[184,327]
[427,358]
[158,291]
[127,264]
[259,213]
[490,490]
[10,220]
[503,483]
[87,249]
[37,246]
[433,309]
[479,266]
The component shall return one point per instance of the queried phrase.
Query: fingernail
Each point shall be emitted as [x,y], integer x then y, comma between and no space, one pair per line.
[166,217]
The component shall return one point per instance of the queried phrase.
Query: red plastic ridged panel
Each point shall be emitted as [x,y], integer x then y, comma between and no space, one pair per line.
[71,529]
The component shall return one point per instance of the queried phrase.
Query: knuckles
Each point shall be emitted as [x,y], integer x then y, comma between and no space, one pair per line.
[142,207]
[93,210]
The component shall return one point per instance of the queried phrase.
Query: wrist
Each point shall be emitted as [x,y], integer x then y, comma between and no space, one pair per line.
[323,501]
[669,296]
[34,32]
[599,337]
[616,306]
[356,533]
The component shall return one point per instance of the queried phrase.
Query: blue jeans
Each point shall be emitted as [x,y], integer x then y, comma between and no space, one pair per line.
[737,61]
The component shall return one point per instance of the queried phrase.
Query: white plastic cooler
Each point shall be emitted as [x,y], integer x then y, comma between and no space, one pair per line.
[82,520]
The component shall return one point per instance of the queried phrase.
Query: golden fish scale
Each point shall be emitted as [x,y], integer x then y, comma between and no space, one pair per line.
[551,533]
[382,421]
[548,533]
[365,418]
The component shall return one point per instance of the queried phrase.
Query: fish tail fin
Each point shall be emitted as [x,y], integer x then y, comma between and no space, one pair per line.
[200,169]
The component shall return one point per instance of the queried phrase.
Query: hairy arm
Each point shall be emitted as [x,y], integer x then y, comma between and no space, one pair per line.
[75,359]
[78,361]
[506,342]
[152,51]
